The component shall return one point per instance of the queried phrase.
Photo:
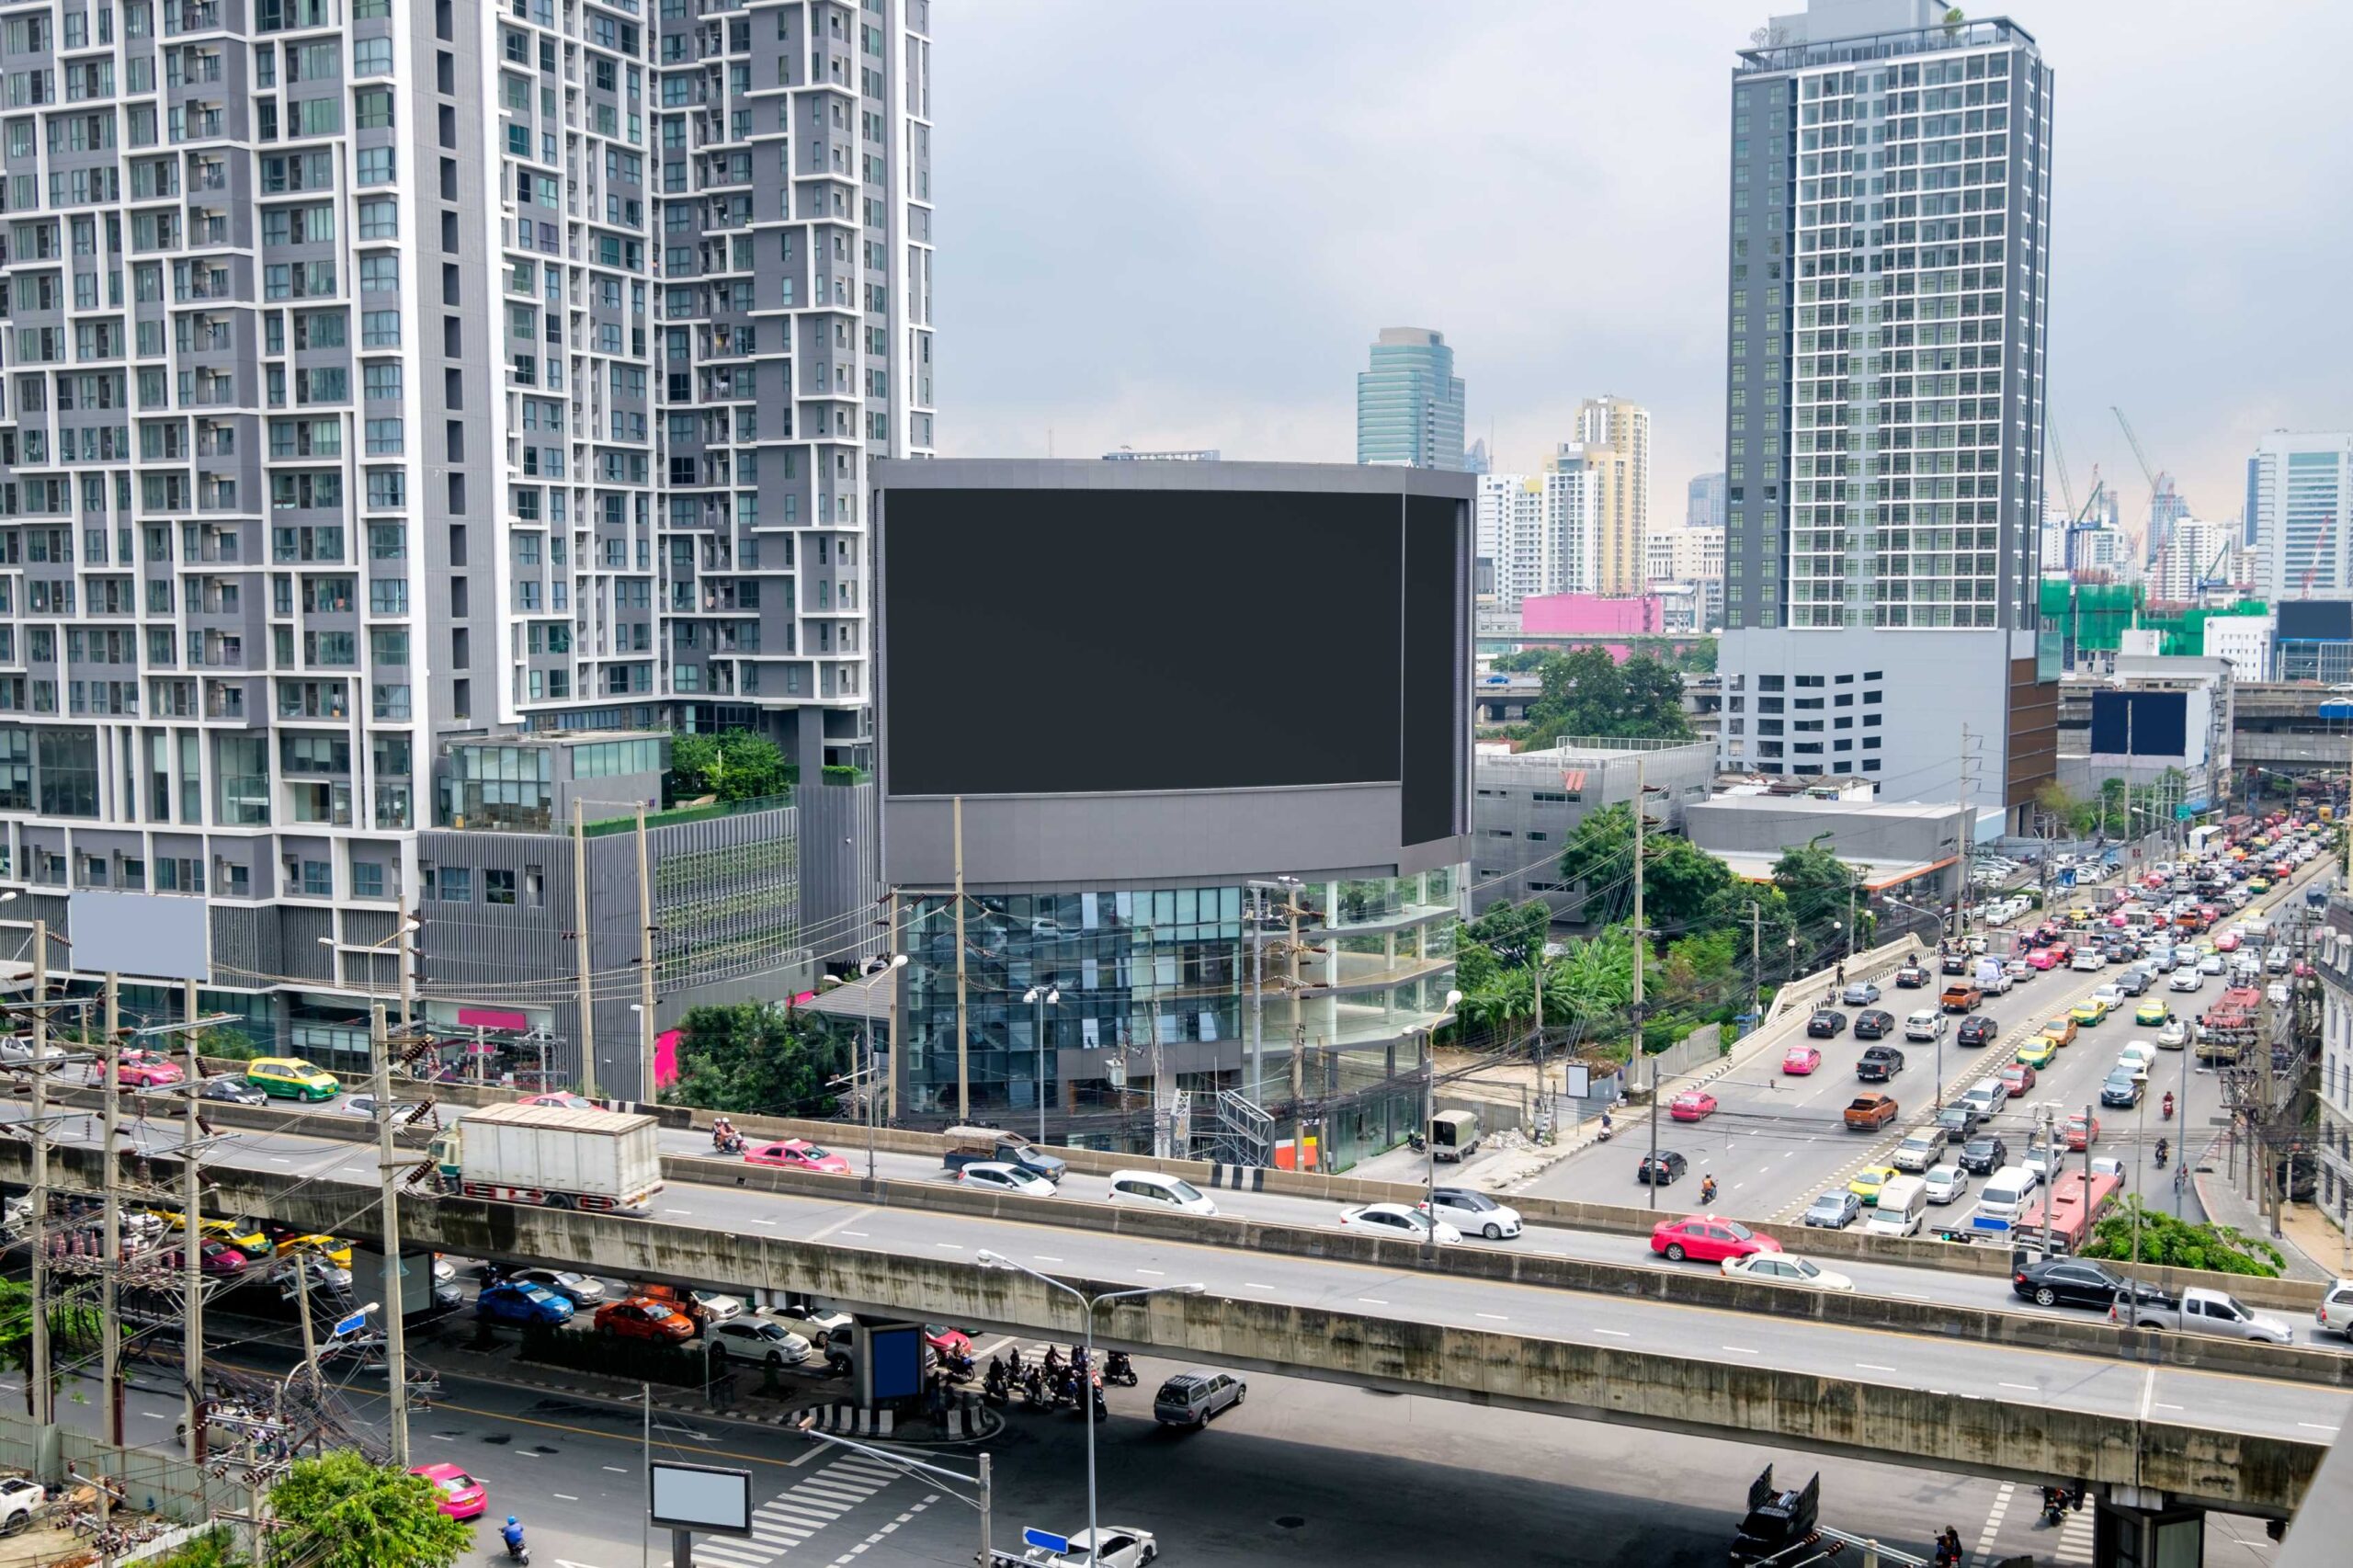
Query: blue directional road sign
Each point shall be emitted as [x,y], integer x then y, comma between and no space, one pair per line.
[1033,1536]
[352,1324]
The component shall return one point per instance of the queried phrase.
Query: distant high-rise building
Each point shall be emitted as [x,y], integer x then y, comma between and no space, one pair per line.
[2166,508]
[1540,530]
[2196,552]
[2302,484]
[1883,444]
[1613,439]
[2247,517]
[1478,459]
[1171,455]
[1703,502]
[1409,404]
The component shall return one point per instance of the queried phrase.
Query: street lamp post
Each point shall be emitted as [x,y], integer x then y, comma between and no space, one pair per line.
[877,964]
[1429,1119]
[1086,1393]
[1042,997]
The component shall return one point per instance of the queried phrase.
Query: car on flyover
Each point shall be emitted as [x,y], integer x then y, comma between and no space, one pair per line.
[1709,1238]
[2173,1035]
[1780,1269]
[1663,1168]
[2017,1077]
[797,1154]
[1475,1213]
[997,1176]
[1834,1210]
[1800,1059]
[1874,1023]
[1398,1222]
[1692,1105]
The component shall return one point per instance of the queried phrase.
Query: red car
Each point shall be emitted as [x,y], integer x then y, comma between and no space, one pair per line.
[641,1317]
[560,1101]
[2017,1078]
[1692,1105]
[2228,942]
[2042,959]
[2081,1132]
[797,1154]
[1708,1238]
[459,1495]
[139,1070]
[219,1257]
[1800,1059]
[946,1341]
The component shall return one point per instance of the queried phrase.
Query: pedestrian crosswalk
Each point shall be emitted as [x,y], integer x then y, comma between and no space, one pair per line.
[793,1518]
[1985,1553]
[2075,1533]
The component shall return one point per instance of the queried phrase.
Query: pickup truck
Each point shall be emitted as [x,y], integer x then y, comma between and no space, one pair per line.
[1964,998]
[967,1145]
[2200,1310]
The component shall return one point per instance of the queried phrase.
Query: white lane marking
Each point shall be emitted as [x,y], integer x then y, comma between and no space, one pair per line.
[764,1221]
[527,1453]
[677,1210]
[949,1246]
[279,1159]
[1496,1317]
[1614,1332]
[618,1470]
[439,1437]
[2028,1387]
[1043,1258]
[1739,1350]
[564,1497]
[1253,1285]
[1873,1367]
[1160,1273]
[2161,1404]
[2315,1425]
[1371,1301]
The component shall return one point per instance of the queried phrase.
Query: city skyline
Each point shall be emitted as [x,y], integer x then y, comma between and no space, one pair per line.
[1328,255]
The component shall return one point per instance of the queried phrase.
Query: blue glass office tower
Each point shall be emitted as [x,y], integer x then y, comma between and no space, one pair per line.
[1409,404]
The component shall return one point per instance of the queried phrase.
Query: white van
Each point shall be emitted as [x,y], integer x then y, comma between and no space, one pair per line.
[2006,1192]
[1149,1189]
[1903,1204]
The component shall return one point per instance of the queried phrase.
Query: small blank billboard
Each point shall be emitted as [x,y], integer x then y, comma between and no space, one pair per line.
[701,1497]
[155,936]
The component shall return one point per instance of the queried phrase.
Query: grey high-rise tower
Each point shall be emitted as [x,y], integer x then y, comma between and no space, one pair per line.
[1890,213]
[1409,404]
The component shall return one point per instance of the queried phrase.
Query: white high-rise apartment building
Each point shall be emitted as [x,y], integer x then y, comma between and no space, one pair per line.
[383,371]
[2193,550]
[2301,486]
[1889,207]
[1614,436]
[1540,529]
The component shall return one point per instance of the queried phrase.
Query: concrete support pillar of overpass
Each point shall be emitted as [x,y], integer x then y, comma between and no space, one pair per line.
[2135,1528]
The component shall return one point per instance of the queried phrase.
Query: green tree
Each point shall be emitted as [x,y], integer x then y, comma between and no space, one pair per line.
[736,765]
[214,1548]
[1586,692]
[1681,883]
[340,1511]
[753,1057]
[1514,933]
[2168,1243]
[75,1327]
[1599,855]
[1817,885]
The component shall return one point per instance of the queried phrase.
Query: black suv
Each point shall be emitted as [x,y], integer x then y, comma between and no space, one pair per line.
[1960,1122]
[1874,1023]
[1984,1154]
[1978,1029]
[2132,982]
[1827,1023]
[1878,1063]
[1662,1169]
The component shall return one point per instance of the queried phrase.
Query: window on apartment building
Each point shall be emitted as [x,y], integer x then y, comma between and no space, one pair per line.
[498,887]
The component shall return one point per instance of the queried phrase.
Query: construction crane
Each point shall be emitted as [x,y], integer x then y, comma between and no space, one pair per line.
[2081,523]
[2156,479]
[2214,577]
[2066,484]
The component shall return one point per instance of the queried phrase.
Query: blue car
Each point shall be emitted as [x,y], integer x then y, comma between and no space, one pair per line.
[522,1303]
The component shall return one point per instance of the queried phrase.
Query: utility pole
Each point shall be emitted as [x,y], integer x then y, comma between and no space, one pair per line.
[1755,966]
[963,1028]
[1257,994]
[894,947]
[407,981]
[1960,899]
[646,1087]
[389,1178]
[1297,1044]
[1635,1009]
[579,951]
[37,1219]
[191,1236]
[111,1254]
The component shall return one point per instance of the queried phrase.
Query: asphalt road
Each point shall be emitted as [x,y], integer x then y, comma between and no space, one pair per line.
[2112,1386]
[1777,1141]
[1302,1473]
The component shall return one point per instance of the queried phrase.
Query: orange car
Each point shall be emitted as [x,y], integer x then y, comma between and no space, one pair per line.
[641,1317]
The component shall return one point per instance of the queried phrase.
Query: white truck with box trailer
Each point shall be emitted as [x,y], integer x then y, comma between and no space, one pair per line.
[602,1161]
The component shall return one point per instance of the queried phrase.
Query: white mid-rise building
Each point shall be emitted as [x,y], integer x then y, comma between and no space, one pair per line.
[1541,531]
[2194,554]
[2301,485]
[2244,641]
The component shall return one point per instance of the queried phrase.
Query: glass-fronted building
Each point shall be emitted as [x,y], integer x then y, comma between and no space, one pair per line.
[1187,978]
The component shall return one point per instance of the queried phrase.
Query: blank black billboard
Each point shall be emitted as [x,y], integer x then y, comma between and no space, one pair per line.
[2315,620]
[2140,723]
[1108,640]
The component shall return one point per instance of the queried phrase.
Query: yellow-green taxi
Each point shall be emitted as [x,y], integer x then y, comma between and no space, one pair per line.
[1869,1180]
[332,1249]
[232,1232]
[2152,1015]
[292,1078]
[2089,1011]
[2038,1052]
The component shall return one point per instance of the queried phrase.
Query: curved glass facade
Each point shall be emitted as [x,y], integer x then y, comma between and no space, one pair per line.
[1165,980]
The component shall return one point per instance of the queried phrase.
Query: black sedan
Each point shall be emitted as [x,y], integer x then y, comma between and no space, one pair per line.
[1826,1024]
[2068,1282]
[1978,1029]
[232,1089]
[1911,977]
[1874,1023]
[1661,1169]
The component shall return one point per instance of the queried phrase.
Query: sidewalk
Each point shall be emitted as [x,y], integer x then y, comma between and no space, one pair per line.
[2225,1205]
[2315,1236]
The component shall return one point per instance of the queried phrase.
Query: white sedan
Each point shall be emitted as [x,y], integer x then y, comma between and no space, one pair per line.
[999,1177]
[2186,979]
[1397,1221]
[721,1307]
[1780,1269]
[1124,1546]
[2172,1034]
[2210,964]
[1475,1214]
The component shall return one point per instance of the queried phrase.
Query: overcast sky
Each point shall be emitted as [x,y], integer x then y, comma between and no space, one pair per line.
[1179,222]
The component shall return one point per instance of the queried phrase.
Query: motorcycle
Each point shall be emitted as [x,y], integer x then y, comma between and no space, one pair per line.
[517,1551]
[1118,1372]
[2054,1506]
[1033,1387]
[995,1384]
[2166,1113]
[2162,1152]
[1416,1143]
[727,1143]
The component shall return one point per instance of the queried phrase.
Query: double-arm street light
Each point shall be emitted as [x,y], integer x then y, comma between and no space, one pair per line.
[1087,1392]
[1043,997]
[1429,1114]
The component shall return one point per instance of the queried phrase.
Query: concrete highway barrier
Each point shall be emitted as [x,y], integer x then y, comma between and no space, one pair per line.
[2021,1441]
